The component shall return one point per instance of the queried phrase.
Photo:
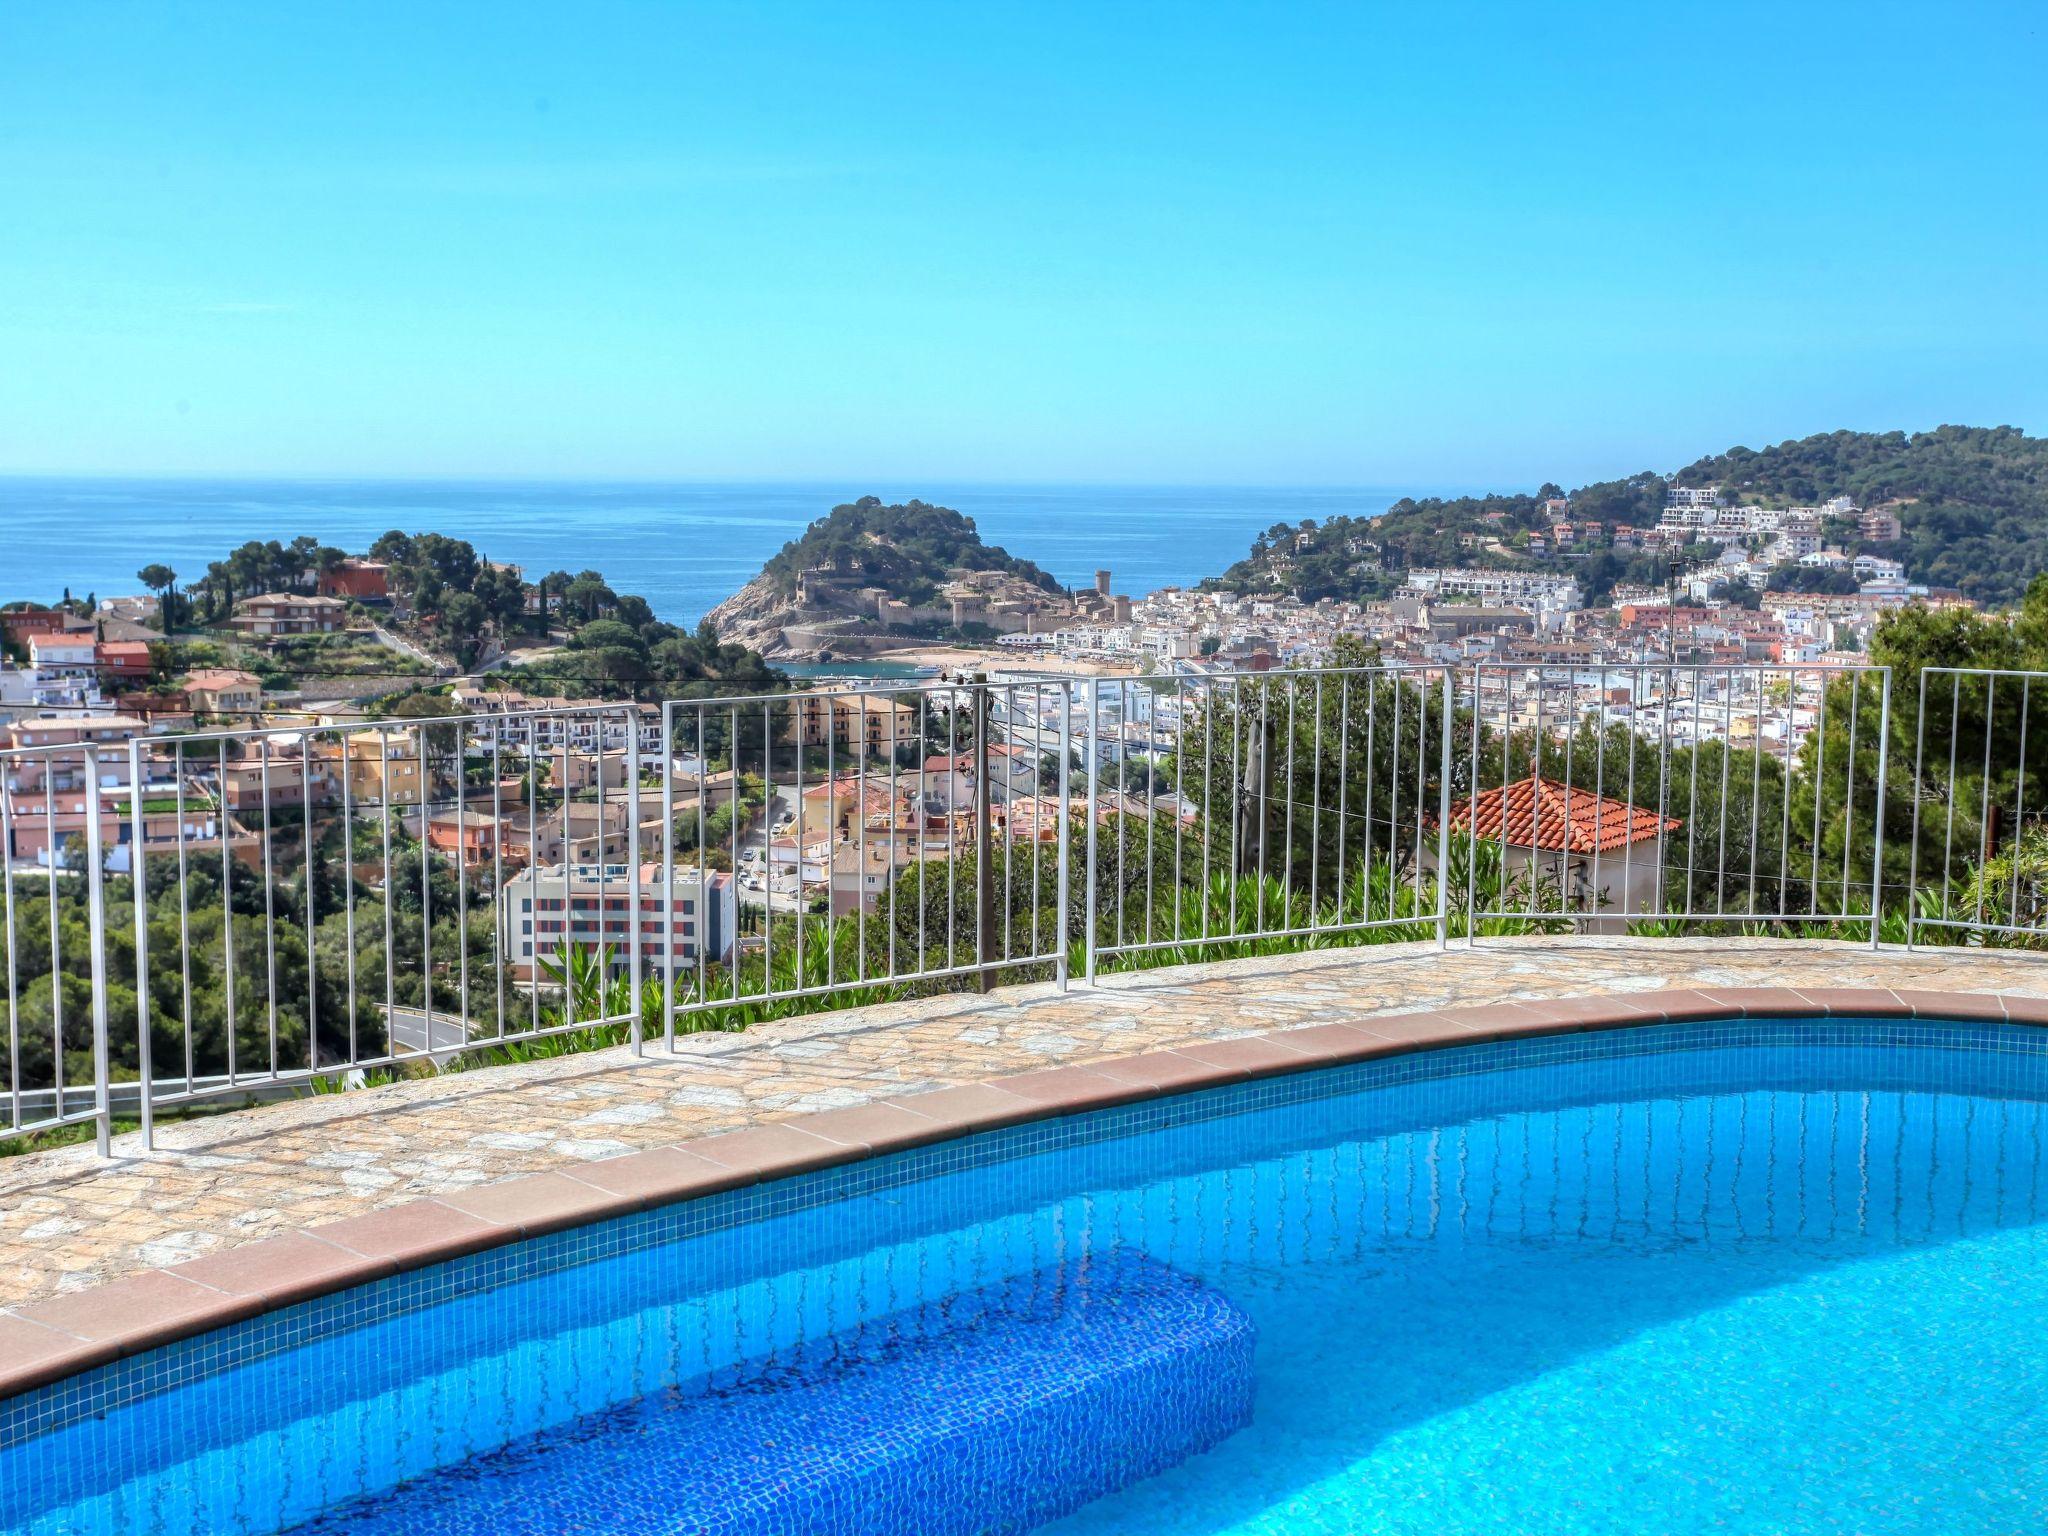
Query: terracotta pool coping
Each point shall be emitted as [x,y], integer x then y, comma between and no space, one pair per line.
[60,1336]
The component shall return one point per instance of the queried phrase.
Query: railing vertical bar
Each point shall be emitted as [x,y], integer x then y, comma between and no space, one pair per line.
[8,908]
[768,835]
[461,863]
[1628,847]
[1849,785]
[1238,771]
[1421,788]
[1315,818]
[535,761]
[1984,791]
[390,896]
[860,851]
[2019,798]
[565,949]
[1263,795]
[1471,802]
[952,782]
[700,927]
[1820,766]
[1443,819]
[1600,787]
[1721,807]
[924,803]
[306,760]
[1010,746]
[1756,790]
[501,943]
[1343,792]
[1670,693]
[348,880]
[1884,748]
[898,860]
[1094,748]
[1180,796]
[1395,841]
[52,858]
[1785,756]
[1151,802]
[1535,808]
[1062,965]
[732,834]
[138,871]
[1570,712]
[96,928]
[1123,827]
[636,889]
[1287,835]
[1692,814]
[269,903]
[802,848]
[667,901]
[227,914]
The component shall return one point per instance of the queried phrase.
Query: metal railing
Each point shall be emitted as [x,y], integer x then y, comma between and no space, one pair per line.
[860,838]
[1227,808]
[1689,794]
[270,910]
[1979,737]
[43,1086]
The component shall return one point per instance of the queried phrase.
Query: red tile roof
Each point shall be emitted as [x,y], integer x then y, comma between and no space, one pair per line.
[1544,814]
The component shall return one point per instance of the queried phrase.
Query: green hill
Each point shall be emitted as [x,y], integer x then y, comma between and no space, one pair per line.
[1973,502]
[906,549]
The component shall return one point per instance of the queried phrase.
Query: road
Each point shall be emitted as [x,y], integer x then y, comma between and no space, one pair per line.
[414,1032]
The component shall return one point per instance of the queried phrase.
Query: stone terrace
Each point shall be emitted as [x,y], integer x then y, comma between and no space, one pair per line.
[70,1220]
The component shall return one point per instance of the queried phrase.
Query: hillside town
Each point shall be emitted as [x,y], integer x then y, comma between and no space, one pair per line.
[553,793]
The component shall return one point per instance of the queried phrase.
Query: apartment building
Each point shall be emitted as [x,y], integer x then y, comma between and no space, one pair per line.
[32,826]
[551,910]
[223,691]
[852,719]
[65,771]
[271,614]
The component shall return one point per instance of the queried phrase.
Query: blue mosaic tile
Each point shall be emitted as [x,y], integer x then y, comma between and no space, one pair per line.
[991,1410]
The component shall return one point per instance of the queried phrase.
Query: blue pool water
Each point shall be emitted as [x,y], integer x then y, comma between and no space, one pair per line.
[1777,1277]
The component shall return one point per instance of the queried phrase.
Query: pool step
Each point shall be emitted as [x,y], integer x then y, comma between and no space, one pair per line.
[992,1410]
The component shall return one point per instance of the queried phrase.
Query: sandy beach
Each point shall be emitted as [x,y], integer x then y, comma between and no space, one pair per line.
[957,658]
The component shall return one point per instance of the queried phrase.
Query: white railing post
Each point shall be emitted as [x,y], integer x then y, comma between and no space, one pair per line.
[1094,751]
[1062,965]
[96,925]
[1913,853]
[139,872]
[668,874]
[1443,819]
[634,884]
[1884,752]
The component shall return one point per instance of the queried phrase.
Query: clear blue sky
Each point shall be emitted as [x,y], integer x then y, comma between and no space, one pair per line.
[1254,243]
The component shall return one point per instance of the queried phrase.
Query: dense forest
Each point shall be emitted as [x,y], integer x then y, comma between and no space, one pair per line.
[905,549]
[1973,503]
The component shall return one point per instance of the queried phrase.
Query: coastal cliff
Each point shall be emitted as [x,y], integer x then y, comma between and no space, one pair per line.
[869,577]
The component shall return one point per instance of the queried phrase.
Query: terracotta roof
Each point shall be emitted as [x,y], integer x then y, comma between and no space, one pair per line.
[1543,814]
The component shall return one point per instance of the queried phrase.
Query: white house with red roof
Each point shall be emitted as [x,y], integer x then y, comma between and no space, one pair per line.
[1602,853]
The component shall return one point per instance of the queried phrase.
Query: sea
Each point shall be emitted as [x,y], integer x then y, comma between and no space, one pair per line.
[683,546]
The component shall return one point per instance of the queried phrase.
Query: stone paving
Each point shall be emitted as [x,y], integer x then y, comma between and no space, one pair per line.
[69,1219]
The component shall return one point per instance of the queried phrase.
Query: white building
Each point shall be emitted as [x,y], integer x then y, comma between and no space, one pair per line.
[546,913]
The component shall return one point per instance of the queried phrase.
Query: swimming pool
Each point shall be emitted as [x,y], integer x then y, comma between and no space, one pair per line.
[1760,1275]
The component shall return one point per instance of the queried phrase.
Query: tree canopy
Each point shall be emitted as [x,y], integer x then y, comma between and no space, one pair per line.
[903,548]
